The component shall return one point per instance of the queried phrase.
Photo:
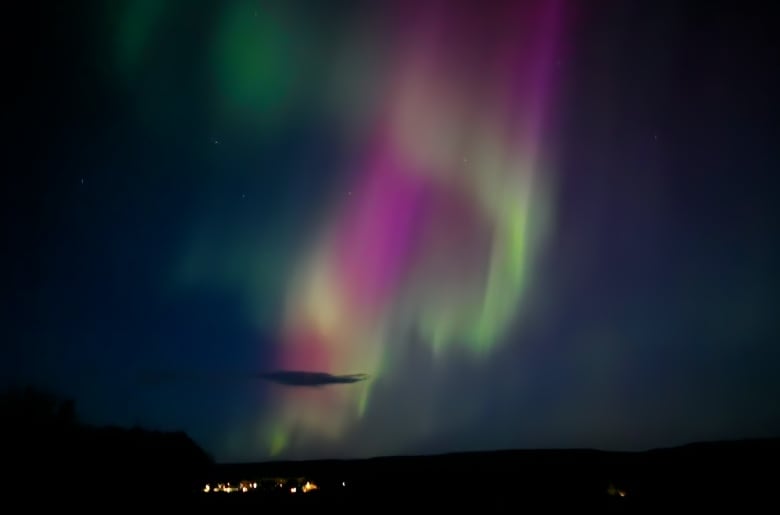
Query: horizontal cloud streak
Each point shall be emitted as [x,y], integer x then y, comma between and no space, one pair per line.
[283,377]
[311,379]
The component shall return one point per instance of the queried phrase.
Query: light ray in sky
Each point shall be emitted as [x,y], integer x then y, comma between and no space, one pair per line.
[446,214]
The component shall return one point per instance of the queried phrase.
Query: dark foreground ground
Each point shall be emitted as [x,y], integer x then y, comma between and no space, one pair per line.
[50,461]
[737,477]
[731,476]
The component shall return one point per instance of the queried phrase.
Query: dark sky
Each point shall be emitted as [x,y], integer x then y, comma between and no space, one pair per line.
[532,226]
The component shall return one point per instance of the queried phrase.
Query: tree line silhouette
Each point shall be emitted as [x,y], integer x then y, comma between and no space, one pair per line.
[47,451]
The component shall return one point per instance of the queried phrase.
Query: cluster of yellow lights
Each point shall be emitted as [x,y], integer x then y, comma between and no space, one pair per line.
[307,487]
[245,486]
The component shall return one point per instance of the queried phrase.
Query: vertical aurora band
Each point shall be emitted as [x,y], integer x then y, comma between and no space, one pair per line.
[446,213]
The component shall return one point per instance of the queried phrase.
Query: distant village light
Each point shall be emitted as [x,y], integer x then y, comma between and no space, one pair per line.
[301,485]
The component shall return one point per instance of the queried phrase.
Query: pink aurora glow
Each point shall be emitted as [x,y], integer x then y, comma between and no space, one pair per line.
[435,228]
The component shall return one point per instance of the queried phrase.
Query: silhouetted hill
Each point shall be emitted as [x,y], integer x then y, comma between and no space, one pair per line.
[713,474]
[49,456]
[46,450]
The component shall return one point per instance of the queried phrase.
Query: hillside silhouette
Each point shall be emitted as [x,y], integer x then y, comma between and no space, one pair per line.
[49,455]
[47,449]
[736,474]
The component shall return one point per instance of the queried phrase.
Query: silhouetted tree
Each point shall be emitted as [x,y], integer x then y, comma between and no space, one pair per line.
[43,438]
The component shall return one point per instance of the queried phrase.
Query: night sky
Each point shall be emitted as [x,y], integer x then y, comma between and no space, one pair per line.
[349,229]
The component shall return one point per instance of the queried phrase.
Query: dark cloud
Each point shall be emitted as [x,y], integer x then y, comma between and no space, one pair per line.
[283,377]
[311,379]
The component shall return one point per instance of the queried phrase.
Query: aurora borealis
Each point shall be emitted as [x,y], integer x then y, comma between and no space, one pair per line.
[347,228]
[437,235]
